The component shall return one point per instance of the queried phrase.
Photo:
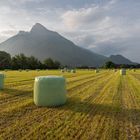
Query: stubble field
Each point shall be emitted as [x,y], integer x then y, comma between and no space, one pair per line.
[102,105]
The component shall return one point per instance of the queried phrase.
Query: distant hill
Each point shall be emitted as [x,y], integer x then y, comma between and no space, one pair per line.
[119,59]
[43,43]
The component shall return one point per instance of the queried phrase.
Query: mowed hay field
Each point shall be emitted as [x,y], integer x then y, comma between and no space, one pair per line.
[102,105]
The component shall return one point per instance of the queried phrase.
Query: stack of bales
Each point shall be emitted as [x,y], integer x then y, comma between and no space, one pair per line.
[123,72]
[50,91]
[2,76]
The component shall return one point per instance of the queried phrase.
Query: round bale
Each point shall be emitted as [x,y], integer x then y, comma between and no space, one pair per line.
[2,76]
[50,91]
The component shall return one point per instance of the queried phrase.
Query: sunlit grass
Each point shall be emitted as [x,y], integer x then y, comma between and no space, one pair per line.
[102,105]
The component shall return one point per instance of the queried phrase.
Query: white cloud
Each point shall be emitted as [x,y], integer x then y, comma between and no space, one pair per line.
[83,17]
[107,27]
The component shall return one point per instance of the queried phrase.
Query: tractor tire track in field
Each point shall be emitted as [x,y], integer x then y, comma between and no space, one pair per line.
[19,96]
[24,94]
[62,113]
[43,126]
[10,83]
[10,89]
[132,108]
[102,106]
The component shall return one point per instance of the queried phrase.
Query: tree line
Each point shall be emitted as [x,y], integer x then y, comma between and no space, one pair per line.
[111,65]
[23,62]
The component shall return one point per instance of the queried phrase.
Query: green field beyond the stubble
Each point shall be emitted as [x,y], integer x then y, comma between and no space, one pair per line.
[103,106]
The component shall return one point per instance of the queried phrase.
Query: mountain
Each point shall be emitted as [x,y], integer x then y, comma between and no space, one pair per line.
[119,59]
[43,43]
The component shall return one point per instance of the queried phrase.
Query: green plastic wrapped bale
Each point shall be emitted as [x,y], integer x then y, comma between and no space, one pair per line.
[6,70]
[20,70]
[2,81]
[62,71]
[122,72]
[50,91]
[27,70]
[96,71]
[73,71]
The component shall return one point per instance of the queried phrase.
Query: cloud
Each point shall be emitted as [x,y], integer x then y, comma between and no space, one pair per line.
[106,27]
[128,47]
[78,18]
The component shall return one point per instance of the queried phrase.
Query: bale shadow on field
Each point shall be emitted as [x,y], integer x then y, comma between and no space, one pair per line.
[116,112]
[15,92]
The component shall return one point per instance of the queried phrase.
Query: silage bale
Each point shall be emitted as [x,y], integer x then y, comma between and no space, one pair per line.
[6,70]
[73,71]
[50,91]
[20,70]
[2,76]
[96,71]
[62,70]
[123,72]
[65,69]
[37,70]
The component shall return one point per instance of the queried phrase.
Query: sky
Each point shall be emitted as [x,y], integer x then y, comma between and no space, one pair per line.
[107,27]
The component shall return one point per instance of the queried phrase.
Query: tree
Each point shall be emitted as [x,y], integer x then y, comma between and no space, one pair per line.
[109,65]
[123,66]
[19,62]
[57,65]
[5,60]
[50,64]
[33,63]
